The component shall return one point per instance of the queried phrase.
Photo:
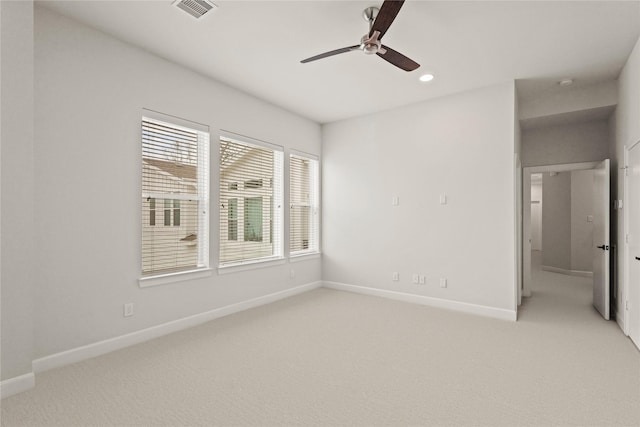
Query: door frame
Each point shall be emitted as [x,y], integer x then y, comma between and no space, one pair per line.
[526,213]
[625,257]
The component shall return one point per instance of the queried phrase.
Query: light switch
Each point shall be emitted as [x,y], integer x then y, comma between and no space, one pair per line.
[589,218]
[443,199]
[395,201]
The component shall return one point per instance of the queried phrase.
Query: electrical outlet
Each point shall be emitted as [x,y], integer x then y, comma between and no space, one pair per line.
[415,278]
[443,282]
[422,279]
[396,276]
[128,309]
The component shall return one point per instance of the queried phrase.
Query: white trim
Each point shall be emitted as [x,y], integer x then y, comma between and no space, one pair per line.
[579,273]
[623,319]
[482,310]
[106,346]
[621,312]
[251,264]
[227,135]
[17,385]
[303,155]
[298,257]
[179,276]
[174,120]
[565,167]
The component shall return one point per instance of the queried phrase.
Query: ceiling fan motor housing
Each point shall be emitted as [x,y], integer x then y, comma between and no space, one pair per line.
[371,45]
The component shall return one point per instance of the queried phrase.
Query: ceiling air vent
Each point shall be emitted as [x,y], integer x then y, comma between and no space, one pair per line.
[195,8]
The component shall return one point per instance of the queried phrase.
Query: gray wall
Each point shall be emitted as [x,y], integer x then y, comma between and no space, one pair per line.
[556,220]
[419,152]
[17,212]
[90,91]
[536,217]
[573,143]
[581,228]
[567,235]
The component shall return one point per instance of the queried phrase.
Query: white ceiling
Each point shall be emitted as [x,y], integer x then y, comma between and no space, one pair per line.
[256,46]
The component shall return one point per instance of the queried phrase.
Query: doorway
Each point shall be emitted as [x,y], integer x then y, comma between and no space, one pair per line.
[570,234]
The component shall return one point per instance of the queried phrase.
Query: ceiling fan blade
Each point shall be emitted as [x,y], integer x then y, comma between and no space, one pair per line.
[331,53]
[386,15]
[398,59]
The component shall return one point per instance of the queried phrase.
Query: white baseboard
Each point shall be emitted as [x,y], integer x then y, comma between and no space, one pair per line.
[579,273]
[17,385]
[102,347]
[498,313]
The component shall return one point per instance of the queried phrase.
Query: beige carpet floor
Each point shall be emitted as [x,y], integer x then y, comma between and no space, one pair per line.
[334,358]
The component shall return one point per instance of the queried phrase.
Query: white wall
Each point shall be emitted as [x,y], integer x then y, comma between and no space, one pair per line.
[556,220]
[573,98]
[626,128]
[581,228]
[90,89]
[571,143]
[536,217]
[17,188]
[461,146]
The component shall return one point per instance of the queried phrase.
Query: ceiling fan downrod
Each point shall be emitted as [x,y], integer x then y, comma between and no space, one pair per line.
[371,44]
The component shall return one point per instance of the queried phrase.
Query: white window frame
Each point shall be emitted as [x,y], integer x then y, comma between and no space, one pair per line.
[203,185]
[314,204]
[278,203]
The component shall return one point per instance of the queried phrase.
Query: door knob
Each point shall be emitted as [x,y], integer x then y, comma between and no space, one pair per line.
[638,258]
[603,247]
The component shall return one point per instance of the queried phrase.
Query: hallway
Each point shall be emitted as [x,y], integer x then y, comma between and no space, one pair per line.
[559,297]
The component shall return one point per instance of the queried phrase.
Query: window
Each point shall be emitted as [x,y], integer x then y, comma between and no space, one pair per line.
[232,220]
[253,219]
[152,211]
[259,206]
[304,201]
[175,185]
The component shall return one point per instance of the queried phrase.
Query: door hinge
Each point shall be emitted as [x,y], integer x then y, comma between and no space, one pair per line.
[626,238]
[626,170]
[626,305]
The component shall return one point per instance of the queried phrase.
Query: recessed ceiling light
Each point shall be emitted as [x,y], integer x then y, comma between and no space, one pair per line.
[426,77]
[565,82]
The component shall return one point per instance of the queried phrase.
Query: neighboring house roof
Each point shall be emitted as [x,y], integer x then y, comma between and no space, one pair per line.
[231,153]
[179,170]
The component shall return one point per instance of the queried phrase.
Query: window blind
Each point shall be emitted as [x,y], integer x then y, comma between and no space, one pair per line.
[304,201]
[250,201]
[175,194]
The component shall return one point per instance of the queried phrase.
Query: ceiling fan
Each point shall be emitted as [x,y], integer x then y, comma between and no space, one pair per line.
[379,22]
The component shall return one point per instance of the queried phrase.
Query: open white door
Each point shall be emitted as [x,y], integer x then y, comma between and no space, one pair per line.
[632,302]
[601,238]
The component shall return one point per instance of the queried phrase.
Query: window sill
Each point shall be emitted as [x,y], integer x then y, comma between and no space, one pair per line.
[304,256]
[250,265]
[180,276]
